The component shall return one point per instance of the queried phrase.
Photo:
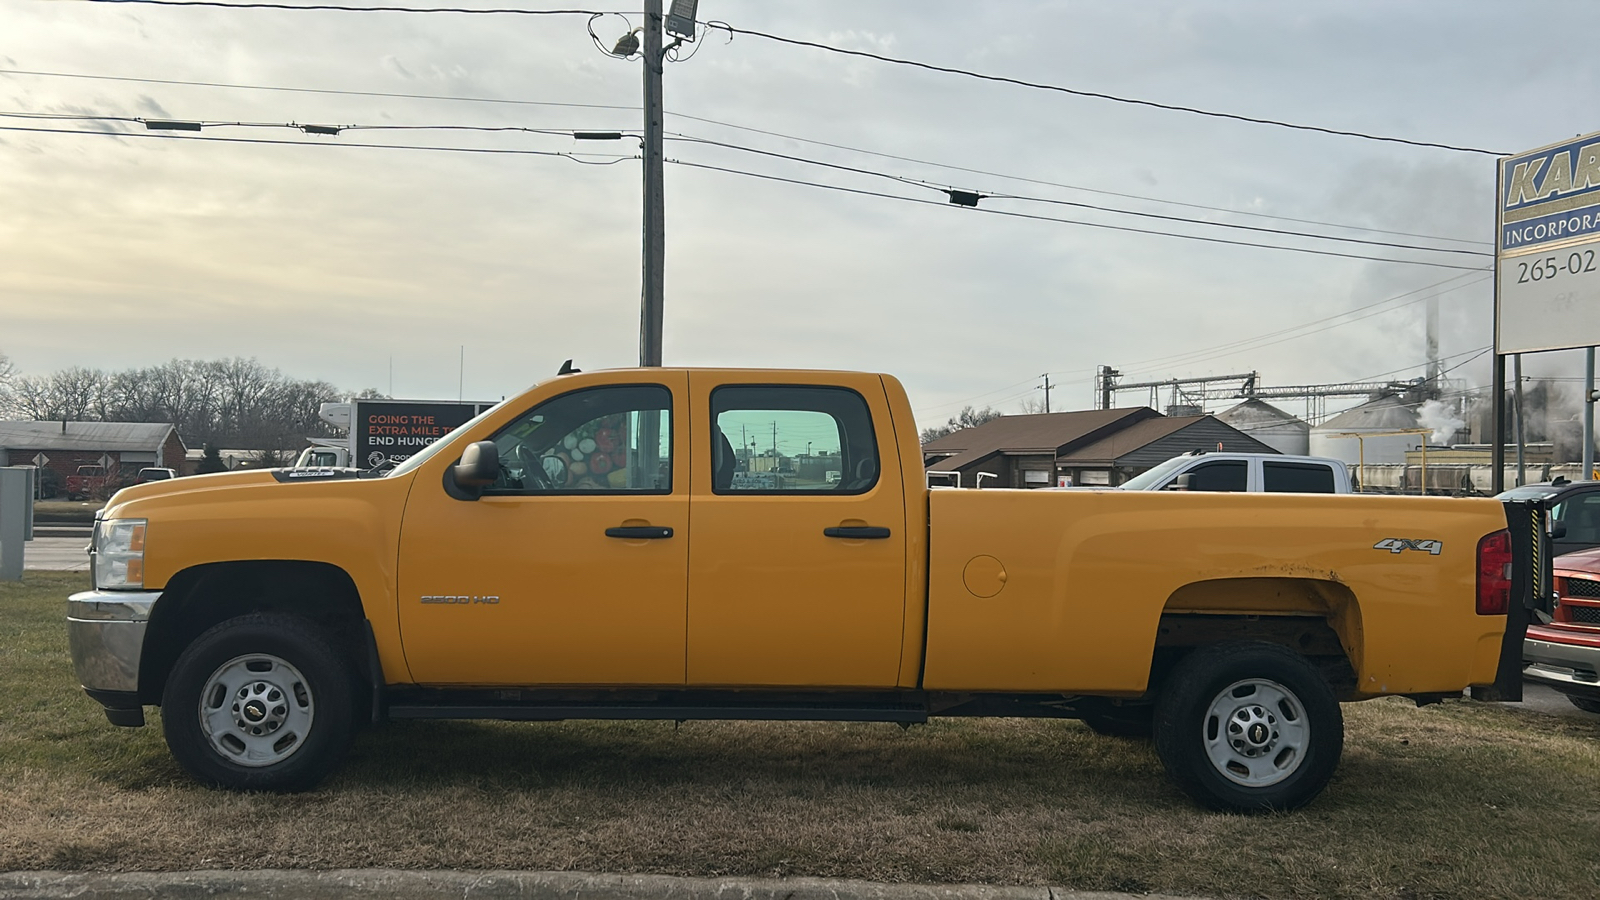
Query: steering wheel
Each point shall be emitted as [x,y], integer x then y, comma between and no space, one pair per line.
[533,474]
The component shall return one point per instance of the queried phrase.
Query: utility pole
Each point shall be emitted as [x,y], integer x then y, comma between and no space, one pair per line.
[1047,388]
[655,221]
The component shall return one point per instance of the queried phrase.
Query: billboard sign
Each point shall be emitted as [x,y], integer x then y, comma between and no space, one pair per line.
[395,429]
[1547,259]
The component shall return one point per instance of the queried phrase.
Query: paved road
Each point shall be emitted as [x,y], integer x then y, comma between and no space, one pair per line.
[60,554]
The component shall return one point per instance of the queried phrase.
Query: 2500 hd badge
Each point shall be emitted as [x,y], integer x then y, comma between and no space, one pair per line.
[461,598]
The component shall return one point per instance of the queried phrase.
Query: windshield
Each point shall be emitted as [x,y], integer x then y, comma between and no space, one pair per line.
[421,456]
[1155,476]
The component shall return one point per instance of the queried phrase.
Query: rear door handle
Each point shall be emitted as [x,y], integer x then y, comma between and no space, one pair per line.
[640,532]
[857,532]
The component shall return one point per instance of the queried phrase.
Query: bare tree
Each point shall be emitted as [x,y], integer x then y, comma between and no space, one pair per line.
[967,418]
[8,374]
[237,403]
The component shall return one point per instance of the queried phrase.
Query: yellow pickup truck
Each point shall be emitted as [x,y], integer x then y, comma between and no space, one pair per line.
[651,543]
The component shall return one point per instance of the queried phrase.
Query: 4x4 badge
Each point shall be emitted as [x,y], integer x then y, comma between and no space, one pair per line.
[1396,545]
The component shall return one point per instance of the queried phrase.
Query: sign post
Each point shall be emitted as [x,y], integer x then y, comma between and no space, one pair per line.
[1547,260]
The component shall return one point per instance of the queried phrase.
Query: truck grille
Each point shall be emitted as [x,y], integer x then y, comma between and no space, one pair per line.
[1584,615]
[1582,587]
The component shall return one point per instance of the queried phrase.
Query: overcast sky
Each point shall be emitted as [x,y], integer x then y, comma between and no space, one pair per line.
[329,261]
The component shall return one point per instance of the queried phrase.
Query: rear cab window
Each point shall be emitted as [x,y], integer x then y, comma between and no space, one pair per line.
[792,439]
[1297,478]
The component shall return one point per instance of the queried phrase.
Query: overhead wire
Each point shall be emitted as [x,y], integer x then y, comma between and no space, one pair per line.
[602,159]
[1098,95]
[737,127]
[732,30]
[337,7]
[1030,216]
[917,182]
[989,211]
[1254,342]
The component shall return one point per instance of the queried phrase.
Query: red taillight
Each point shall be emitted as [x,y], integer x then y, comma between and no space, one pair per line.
[1494,574]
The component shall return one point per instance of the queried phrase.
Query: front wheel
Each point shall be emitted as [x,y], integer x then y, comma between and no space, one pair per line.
[1249,727]
[260,702]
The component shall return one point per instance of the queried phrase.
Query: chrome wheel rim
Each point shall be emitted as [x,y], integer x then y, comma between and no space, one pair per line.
[256,710]
[1255,732]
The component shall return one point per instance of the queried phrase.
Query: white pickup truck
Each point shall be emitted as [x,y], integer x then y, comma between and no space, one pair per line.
[1246,472]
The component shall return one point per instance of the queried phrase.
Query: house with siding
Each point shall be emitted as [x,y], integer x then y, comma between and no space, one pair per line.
[64,446]
[1091,447]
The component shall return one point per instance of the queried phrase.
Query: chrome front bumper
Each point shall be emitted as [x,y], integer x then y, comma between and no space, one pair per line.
[1569,668]
[106,632]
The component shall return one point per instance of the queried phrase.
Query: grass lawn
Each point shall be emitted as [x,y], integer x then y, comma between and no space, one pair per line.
[66,511]
[1455,800]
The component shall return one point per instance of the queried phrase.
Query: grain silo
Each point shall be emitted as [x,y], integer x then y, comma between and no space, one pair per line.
[1375,421]
[1271,426]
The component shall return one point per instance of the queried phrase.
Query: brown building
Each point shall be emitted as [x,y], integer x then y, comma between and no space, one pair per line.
[64,446]
[1102,446]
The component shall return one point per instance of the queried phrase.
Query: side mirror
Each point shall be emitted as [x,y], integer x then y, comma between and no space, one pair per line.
[478,468]
[1184,482]
[1558,530]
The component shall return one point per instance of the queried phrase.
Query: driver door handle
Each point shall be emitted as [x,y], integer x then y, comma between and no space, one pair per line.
[857,532]
[640,532]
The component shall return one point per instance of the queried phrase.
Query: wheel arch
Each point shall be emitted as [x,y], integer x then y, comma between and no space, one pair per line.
[197,598]
[1319,618]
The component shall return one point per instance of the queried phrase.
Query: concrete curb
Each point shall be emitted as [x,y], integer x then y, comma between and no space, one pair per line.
[406,885]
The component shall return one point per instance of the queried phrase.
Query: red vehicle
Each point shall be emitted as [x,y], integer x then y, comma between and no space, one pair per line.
[89,481]
[1565,653]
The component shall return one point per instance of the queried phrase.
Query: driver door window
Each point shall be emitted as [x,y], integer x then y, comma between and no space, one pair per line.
[609,440]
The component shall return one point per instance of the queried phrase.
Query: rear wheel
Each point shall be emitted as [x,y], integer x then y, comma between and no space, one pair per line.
[1585,704]
[1249,727]
[261,702]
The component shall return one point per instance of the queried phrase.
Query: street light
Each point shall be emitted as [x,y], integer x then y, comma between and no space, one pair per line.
[680,19]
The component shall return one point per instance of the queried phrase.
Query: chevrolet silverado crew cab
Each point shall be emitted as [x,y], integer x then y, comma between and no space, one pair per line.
[601,548]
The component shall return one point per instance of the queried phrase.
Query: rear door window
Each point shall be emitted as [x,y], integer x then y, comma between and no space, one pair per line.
[1223,475]
[1297,478]
[791,439]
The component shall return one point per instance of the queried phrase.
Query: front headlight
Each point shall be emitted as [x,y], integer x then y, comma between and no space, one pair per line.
[119,554]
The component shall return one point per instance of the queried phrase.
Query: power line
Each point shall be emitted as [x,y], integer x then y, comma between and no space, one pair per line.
[819,46]
[1192,356]
[299,7]
[1038,218]
[1254,343]
[611,159]
[949,70]
[723,124]
[916,182]
[295,90]
[592,159]
[767,153]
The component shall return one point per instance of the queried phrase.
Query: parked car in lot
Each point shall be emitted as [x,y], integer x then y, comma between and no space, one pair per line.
[1270,473]
[1564,652]
[154,473]
[86,482]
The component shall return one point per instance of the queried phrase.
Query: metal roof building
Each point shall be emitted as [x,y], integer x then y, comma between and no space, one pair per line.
[1103,446]
[63,446]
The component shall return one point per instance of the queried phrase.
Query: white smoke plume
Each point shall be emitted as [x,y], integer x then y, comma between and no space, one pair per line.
[1442,419]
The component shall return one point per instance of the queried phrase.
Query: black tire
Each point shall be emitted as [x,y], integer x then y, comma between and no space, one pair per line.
[1121,721]
[278,699]
[1585,704]
[1249,727]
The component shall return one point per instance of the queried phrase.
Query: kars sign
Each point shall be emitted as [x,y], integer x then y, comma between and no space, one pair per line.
[1547,259]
